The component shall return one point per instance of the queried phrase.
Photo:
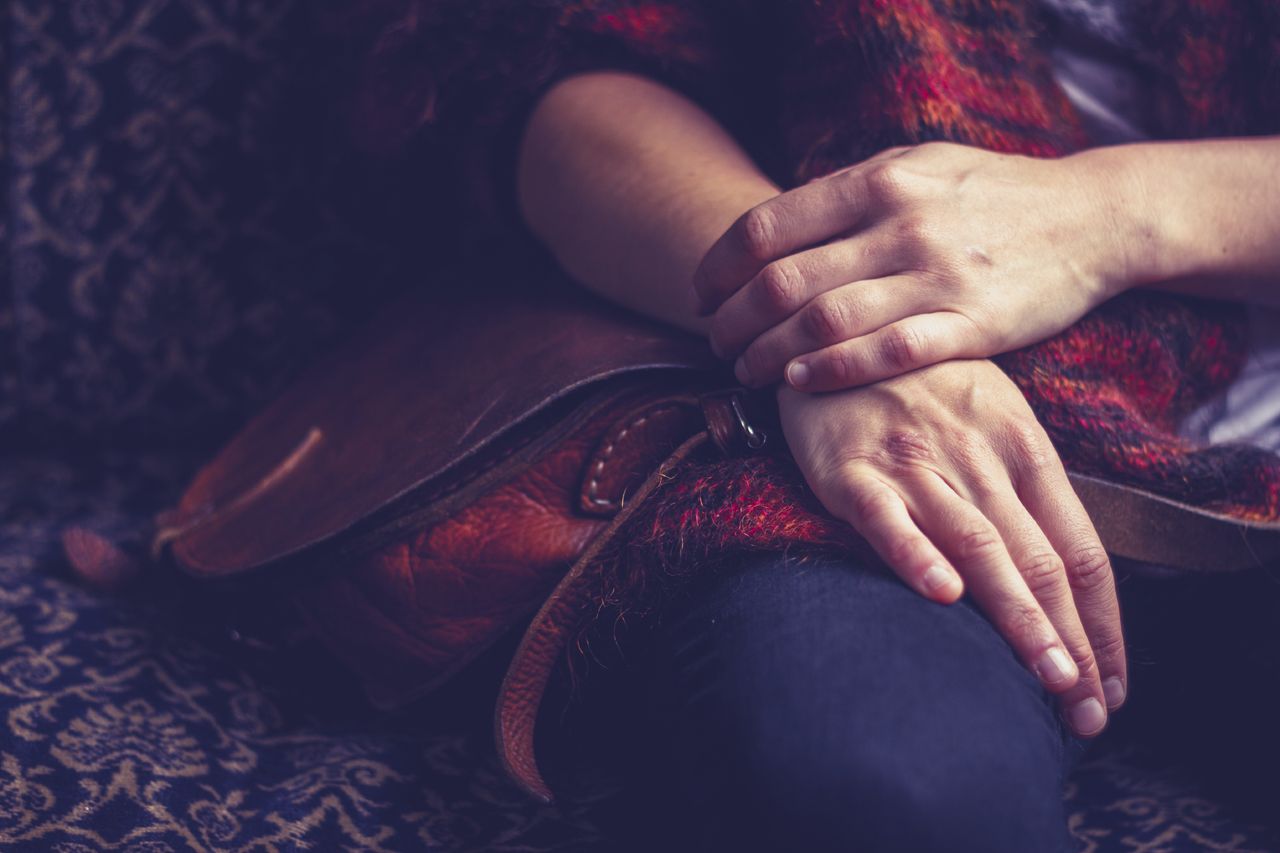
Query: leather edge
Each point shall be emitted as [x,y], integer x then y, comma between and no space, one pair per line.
[539,650]
[1144,526]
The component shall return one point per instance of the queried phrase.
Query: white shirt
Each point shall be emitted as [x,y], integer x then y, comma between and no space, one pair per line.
[1093,52]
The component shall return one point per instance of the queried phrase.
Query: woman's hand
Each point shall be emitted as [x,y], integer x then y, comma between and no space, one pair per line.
[916,256]
[948,476]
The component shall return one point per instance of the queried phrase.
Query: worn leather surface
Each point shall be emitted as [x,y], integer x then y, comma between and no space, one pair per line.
[544,640]
[1154,529]
[420,392]
[410,613]
[463,462]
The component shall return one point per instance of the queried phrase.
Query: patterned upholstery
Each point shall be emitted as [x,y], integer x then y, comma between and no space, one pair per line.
[182,229]
[137,723]
[173,236]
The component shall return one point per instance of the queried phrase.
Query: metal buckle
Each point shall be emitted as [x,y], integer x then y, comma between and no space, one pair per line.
[756,439]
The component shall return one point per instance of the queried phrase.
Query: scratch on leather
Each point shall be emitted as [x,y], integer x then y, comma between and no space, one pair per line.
[475,422]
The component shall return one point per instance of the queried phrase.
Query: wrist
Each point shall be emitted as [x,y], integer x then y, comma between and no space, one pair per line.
[1120,227]
[1148,208]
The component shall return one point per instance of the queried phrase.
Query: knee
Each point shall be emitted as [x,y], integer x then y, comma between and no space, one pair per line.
[888,795]
[834,709]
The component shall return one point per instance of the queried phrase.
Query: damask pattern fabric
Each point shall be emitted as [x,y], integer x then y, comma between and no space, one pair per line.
[182,227]
[174,244]
[138,724]
[141,723]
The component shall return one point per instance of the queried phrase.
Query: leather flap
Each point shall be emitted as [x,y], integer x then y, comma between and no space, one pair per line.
[1143,526]
[427,385]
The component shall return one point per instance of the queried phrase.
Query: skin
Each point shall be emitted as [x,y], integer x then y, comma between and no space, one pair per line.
[941,251]
[928,451]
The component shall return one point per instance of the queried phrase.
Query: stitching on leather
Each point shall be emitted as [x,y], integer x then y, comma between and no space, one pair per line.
[387,529]
[593,486]
[488,465]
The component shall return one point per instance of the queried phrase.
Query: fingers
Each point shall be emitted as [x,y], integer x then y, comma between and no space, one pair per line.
[784,224]
[1043,571]
[898,347]
[977,550]
[878,513]
[1047,494]
[887,154]
[839,315]
[791,284]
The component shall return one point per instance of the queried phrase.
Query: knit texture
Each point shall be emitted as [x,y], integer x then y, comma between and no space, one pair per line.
[811,87]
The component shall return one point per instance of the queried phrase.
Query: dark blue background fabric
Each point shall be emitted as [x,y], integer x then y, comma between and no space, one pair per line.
[183,226]
[138,720]
[184,221]
[822,705]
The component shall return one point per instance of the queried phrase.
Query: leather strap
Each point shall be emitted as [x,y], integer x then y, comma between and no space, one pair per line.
[1130,522]
[1153,529]
[410,405]
[530,670]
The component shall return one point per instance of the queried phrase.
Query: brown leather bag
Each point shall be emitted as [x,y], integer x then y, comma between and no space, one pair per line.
[450,471]
[457,466]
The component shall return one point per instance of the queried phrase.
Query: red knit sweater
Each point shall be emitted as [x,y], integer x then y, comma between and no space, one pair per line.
[810,87]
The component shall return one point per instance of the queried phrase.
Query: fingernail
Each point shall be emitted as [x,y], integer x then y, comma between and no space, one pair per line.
[798,374]
[1055,666]
[936,578]
[740,371]
[1113,689]
[1087,717]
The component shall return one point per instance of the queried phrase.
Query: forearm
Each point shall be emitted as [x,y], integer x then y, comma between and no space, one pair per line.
[1200,217]
[629,184]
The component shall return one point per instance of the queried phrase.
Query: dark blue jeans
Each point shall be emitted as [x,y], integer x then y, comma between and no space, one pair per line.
[822,705]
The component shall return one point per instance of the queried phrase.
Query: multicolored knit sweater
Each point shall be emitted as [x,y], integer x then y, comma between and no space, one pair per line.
[810,87]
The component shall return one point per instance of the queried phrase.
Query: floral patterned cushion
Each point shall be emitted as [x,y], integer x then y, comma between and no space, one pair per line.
[182,228]
[135,722]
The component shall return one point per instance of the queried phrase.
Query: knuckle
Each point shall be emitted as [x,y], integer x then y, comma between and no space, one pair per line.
[780,285]
[758,361]
[970,453]
[934,146]
[826,320]
[903,348]
[1042,572]
[1086,663]
[976,541]
[912,232]
[759,233]
[902,552]
[841,366]
[1031,447]
[908,447]
[1024,435]
[868,503]
[718,335]
[886,181]
[1108,647]
[1021,621]
[1089,568]
[857,313]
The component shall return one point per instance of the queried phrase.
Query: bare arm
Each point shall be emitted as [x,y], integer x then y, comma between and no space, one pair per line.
[942,251]
[1205,215]
[629,184]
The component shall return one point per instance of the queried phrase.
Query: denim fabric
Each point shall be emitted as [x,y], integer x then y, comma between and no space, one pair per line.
[825,706]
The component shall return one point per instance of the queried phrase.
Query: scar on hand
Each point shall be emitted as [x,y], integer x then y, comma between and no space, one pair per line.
[977,254]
